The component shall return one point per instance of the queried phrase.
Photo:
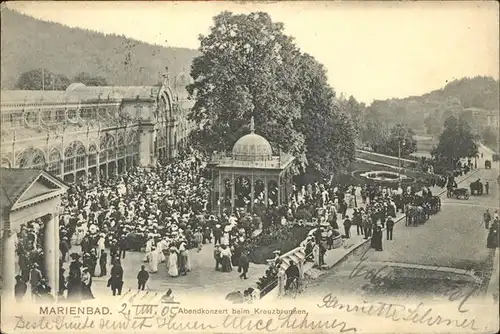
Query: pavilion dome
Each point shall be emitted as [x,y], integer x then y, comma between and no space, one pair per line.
[252,147]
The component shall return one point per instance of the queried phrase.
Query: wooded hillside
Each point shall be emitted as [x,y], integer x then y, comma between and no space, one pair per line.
[478,92]
[29,44]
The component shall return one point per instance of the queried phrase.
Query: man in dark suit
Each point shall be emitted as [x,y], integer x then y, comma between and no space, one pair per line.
[218,261]
[243,265]
[103,260]
[390,227]
[116,279]
[217,234]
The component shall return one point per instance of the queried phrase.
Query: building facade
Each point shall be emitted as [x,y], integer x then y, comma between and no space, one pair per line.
[481,119]
[93,131]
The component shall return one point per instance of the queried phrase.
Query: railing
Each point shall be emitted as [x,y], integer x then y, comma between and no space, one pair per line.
[298,256]
[275,162]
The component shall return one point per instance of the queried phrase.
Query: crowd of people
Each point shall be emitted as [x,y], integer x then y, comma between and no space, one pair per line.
[164,212]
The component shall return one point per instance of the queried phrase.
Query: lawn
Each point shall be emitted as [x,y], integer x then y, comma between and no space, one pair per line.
[282,238]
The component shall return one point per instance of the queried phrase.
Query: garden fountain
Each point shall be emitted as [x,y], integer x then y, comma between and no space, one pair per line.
[384,177]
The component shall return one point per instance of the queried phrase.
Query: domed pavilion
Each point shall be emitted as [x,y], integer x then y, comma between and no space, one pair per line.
[251,172]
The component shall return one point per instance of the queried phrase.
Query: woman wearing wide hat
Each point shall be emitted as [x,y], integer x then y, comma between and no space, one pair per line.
[75,277]
[86,284]
[493,235]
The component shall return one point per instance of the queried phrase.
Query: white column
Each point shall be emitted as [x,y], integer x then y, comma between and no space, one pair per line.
[301,268]
[9,264]
[266,192]
[281,281]
[51,252]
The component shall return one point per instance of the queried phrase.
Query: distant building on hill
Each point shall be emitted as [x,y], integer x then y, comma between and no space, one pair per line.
[93,131]
[481,118]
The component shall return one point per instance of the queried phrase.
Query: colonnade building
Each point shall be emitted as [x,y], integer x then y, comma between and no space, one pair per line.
[93,131]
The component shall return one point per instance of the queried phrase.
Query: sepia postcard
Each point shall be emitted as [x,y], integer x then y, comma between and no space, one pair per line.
[248,167]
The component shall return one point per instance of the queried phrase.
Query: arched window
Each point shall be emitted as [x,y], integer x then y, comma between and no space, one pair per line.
[31,117]
[102,148]
[86,113]
[74,157]
[133,143]
[6,163]
[107,148]
[31,158]
[72,114]
[54,162]
[111,148]
[133,148]
[38,160]
[121,146]
[69,159]
[24,160]
[81,154]
[92,155]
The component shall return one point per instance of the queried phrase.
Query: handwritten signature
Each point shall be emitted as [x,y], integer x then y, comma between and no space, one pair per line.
[398,312]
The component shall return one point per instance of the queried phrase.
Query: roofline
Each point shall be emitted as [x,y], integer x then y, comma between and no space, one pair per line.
[16,205]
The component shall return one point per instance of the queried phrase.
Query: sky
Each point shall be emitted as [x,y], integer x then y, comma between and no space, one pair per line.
[371,50]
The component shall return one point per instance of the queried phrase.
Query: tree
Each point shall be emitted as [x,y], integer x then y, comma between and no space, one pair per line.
[355,111]
[328,131]
[42,79]
[372,129]
[489,137]
[456,141]
[249,67]
[399,141]
[433,123]
[90,80]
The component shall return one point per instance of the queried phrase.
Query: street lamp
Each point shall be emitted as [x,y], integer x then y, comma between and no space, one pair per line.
[401,142]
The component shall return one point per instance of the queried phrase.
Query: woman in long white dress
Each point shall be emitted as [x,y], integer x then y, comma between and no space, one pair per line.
[159,249]
[149,247]
[225,236]
[153,260]
[101,244]
[316,255]
[172,263]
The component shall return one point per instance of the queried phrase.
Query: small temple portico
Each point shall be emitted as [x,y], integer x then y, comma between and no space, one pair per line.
[27,195]
[252,159]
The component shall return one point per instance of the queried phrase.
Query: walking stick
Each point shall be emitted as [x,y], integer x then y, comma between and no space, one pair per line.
[131,299]
[150,299]
[145,295]
[123,296]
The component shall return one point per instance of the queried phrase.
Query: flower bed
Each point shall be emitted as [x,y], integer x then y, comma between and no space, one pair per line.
[277,237]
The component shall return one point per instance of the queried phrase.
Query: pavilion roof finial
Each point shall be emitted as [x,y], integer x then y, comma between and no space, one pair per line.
[252,125]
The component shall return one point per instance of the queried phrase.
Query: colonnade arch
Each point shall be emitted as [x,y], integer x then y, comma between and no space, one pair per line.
[248,191]
[75,155]
[54,165]
[31,158]
[272,191]
[6,163]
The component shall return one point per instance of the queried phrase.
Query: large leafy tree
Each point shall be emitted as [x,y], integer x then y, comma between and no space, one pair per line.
[249,67]
[399,141]
[246,69]
[90,80]
[456,141]
[355,111]
[372,129]
[42,79]
[328,130]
